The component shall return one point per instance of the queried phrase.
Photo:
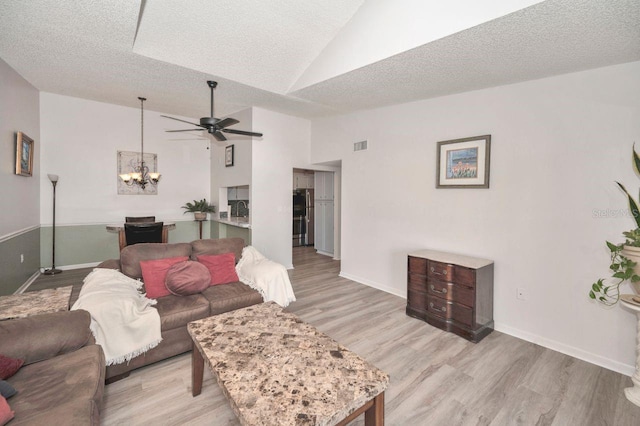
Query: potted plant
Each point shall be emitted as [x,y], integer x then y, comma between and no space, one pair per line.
[625,257]
[199,209]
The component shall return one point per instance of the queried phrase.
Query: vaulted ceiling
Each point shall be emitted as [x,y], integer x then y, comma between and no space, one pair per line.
[305,58]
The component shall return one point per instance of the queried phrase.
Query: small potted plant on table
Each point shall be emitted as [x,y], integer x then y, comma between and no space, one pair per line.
[625,257]
[199,209]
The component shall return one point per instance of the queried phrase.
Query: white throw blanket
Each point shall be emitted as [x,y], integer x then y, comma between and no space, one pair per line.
[269,278]
[123,321]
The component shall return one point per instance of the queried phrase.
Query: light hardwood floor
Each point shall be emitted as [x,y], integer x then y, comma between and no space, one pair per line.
[436,378]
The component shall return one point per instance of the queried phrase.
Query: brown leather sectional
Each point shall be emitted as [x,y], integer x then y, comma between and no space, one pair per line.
[62,379]
[176,311]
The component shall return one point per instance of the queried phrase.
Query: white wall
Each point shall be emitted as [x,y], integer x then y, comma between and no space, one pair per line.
[558,145]
[80,141]
[240,173]
[285,145]
[19,112]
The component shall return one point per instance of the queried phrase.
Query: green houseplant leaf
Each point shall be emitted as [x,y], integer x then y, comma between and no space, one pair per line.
[622,268]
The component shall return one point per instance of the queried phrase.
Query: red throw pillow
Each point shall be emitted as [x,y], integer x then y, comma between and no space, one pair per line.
[185,278]
[154,273]
[222,267]
[5,411]
[9,366]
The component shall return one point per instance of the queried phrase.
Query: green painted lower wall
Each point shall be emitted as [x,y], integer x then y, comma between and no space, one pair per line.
[82,244]
[13,272]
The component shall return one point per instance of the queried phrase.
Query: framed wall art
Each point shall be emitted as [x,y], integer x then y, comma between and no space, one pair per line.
[228,156]
[464,163]
[24,155]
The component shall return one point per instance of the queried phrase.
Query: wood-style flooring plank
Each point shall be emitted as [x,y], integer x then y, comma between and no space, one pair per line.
[437,378]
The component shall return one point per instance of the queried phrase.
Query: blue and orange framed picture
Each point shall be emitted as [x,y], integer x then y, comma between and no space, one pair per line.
[464,163]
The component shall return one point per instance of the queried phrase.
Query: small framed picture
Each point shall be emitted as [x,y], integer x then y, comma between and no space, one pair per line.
[464,163]
[24,155]
[228,156]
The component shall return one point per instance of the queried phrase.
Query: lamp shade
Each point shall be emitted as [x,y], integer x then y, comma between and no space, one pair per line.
[53,178]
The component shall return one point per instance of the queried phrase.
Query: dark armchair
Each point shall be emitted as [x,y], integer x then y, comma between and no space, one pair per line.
[143,232]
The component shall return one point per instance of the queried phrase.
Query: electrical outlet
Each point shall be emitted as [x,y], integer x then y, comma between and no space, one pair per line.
[22,258]
[521,294]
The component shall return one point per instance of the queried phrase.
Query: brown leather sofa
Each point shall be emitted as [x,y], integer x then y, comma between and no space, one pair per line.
[176,311]
[62,379]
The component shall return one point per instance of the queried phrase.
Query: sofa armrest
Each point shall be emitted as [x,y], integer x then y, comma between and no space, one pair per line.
[110,264]
[41,337]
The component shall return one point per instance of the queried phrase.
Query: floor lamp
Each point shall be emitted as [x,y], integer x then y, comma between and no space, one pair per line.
[53,270]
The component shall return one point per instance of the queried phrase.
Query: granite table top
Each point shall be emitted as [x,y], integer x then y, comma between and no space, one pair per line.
[276,369]
[35,303]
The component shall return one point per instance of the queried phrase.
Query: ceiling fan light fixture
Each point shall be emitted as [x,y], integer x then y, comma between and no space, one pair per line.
[214,126]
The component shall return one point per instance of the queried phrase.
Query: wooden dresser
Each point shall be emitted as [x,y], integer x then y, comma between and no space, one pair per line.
[451,292]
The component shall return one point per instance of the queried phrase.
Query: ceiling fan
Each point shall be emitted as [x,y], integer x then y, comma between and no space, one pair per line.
[215,126]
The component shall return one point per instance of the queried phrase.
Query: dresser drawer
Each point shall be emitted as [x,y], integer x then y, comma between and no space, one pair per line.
[452,292]
[451,273]
[450,310]
[417,265]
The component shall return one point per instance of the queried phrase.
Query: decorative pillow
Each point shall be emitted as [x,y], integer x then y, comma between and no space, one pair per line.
[5,411]
[185,278]
[6,390]
[9,366]
[222,267]
[154,273]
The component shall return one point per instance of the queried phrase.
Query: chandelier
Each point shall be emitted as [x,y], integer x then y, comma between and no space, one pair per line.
[140,175]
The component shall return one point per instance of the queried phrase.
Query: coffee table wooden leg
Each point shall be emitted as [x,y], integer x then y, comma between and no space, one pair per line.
[197,371]
[374,416]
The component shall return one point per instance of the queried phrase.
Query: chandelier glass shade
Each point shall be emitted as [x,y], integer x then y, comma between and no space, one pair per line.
[140,174]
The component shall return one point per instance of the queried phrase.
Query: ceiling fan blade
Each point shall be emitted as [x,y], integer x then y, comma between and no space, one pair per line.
[227,122]
[219,136]
[186,130]
[177,119]
[242,132]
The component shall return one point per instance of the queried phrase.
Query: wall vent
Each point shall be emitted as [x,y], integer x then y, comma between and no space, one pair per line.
[360,146]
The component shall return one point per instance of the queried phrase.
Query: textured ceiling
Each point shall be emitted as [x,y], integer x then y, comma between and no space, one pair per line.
[106,50]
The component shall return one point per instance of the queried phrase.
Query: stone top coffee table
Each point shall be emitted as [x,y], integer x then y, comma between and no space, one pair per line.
[277,370]
[35,303]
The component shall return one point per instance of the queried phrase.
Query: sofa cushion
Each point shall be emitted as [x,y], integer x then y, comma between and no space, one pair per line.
[221,267]
[178,311]
[154,274]
[188,277]
[220,246]
[40,337]
[9,366]
[66,389]
[228,297]
[131,256]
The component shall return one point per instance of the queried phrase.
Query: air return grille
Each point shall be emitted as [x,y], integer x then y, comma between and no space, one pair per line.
[360,146]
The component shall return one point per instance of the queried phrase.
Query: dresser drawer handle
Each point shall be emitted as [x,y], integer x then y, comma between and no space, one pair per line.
[443,309]
[443,291]
[433,270]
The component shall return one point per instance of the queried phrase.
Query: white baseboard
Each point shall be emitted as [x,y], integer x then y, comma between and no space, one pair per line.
[71,267]
[27,283]
[373,284]
[589,357]
[324,253]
